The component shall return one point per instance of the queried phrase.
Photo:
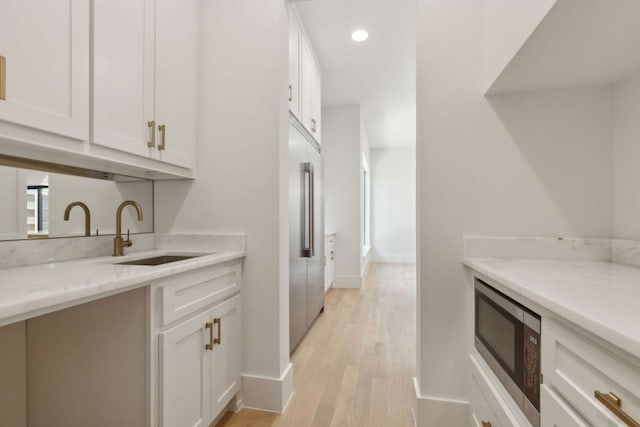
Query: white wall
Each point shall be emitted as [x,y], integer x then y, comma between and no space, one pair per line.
[528,164]
[626,159]
[343,143]
[242,176]
[506,25]
[393,208]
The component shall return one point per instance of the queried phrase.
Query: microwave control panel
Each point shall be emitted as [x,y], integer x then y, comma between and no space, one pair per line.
[532,366]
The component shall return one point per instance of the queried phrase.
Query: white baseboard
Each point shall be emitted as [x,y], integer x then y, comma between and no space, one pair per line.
[434,411]
[349,282]
[394,259]
[266,393]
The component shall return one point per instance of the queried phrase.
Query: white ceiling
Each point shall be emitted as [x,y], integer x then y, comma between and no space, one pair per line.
[379,74]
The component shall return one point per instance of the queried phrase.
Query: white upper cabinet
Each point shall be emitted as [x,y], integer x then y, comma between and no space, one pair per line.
[176,63]
[305,90]
[311,91]
[123,74]
[316,102]
[295,38]
[46,49]
[145,77]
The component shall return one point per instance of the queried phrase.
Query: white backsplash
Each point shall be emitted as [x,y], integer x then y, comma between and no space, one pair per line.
[538,248]
[23,253]
[625,252]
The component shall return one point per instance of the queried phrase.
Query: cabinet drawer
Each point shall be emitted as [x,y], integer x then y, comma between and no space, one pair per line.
[576,367]
[481,412]
[556,412]
[187,293]
[487,405]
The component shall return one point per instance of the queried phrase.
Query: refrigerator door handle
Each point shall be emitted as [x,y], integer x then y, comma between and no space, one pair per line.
[307,215]
[312,211]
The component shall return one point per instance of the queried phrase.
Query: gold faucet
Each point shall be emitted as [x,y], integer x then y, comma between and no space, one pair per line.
[87,216]
[118,242]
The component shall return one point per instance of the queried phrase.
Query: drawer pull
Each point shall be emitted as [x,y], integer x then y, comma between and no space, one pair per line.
[163,134]
[219,339]
[486,424]
[614,404]
[151,124]
[209,326]
[3,78]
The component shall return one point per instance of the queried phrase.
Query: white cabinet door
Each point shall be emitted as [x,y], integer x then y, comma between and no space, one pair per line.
[311,91]
[295,36]
[316,102]
[46,46]
[226,357]
[176,80]
[185,374]
[307,65]
[123,74]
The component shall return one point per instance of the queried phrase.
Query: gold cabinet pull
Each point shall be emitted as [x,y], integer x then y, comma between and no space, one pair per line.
[486,424]
[151,124]
[614,404]
[163,134]
[209,326]
[290,93]
[3,78]
[219,339]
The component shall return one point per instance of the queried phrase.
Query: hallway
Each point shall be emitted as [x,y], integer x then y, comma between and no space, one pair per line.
[355,366]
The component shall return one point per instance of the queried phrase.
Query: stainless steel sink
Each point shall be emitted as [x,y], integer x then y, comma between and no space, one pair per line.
[159,260]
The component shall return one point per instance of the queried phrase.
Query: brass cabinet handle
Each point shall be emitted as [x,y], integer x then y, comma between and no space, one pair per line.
[486,424]
[163,134]
[151,124]
[219,339]
[290,93]
[313,125]
[3,78]
[614,404]
[209,326]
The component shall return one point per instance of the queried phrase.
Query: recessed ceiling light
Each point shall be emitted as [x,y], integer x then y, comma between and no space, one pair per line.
[359,35]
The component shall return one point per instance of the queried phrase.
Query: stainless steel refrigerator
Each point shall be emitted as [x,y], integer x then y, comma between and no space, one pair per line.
[306,232]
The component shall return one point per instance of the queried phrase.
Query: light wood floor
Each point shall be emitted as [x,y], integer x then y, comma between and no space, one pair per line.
[355,366]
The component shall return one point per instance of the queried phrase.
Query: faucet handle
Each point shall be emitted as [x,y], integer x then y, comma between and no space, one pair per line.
[128,243]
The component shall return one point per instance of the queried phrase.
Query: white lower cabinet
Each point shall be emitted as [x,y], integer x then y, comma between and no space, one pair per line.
[489,407]
[226,354]
[185,374]
[577,368]
[329,261]
[557,413]
[199,355]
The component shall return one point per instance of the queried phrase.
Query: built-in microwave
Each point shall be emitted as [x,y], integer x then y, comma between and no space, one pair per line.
[507,336]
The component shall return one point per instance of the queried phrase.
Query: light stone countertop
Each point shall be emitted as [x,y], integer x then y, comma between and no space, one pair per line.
[601,297]
[27,292]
